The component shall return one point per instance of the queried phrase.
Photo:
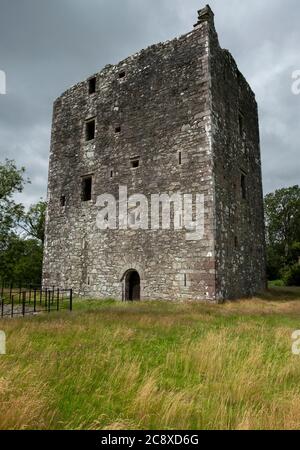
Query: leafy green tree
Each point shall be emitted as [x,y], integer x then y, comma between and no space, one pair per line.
[275,262]
[21,262]
[20,255]
[282,211]
[11,181]
[33,221]
[283,217]
[291,275]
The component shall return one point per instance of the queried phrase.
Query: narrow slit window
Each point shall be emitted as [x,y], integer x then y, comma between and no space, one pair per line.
[180,158]
[185,280]
[236,242]
[111,174]
[63,201]
[243,186]
[86,189]
[135,163]
[90,129]
[241,124]
[92,85]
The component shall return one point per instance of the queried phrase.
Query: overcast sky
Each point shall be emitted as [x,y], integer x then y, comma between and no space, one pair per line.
[48,45]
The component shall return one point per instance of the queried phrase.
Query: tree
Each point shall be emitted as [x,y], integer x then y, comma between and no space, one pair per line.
[11,182]
[33,222]
[21,262]
[282,211]
[20,256]
[283,217]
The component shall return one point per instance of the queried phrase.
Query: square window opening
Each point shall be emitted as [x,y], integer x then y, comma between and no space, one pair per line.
[135,163]
[122,74]
[118,129]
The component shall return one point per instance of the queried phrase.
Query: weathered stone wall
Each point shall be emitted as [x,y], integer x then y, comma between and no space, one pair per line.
[162,106]
[240,238]
[175,97]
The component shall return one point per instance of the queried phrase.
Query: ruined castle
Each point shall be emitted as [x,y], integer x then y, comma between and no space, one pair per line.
[176,117]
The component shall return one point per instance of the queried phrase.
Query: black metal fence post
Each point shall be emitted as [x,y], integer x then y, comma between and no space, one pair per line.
[49,300]
[23,303]
[14,297]
[12,306]
[71,299]
[34,300]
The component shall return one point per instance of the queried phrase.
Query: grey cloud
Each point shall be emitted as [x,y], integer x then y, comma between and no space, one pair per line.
[48,46]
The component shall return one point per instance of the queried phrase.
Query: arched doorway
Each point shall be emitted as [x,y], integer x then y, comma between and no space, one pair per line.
[132,286]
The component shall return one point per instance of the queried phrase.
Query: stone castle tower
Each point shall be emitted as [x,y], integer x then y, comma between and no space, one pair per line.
[176,117]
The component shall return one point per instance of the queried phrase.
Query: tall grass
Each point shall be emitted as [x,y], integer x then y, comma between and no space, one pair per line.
[154,366]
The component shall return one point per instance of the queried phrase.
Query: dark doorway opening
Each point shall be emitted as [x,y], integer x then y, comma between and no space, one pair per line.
[132,286]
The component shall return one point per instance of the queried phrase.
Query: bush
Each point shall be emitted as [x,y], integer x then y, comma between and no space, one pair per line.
[291,275]
[22,261]
[274,263]
[276,283]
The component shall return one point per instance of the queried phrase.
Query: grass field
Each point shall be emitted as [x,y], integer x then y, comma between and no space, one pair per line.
[154,366]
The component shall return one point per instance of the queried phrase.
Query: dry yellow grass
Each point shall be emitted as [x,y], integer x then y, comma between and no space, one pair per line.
[157,365]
